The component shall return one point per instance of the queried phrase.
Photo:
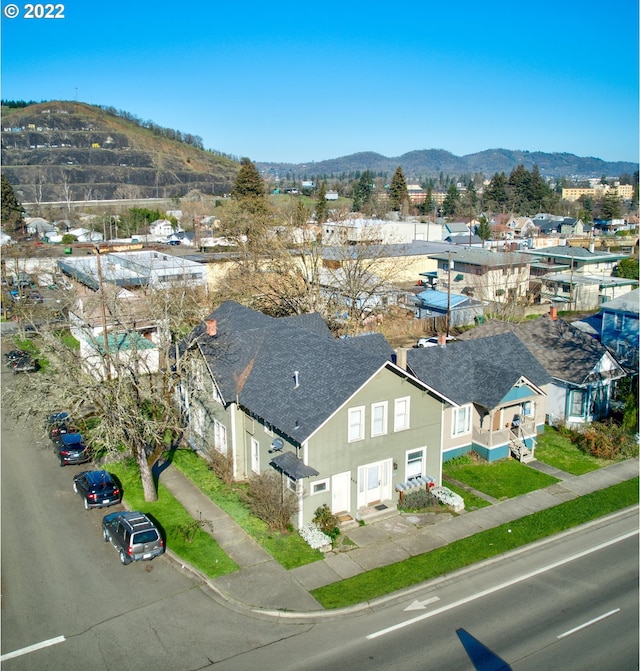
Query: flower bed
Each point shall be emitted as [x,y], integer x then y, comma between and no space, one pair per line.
[317,539]
[448,498]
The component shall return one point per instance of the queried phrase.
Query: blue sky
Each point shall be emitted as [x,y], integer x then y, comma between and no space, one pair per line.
[302,82]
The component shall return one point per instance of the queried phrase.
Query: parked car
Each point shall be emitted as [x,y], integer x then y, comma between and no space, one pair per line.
[14,354]
[24,364]
[432,341]
[97,489]
[133,535]
[71,449]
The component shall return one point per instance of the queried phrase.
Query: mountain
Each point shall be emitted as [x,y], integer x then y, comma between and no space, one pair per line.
[431,162]
[56,151]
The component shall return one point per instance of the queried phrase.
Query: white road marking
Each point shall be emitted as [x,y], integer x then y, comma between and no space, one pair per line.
[588,624]
[421,605]
[497,588]
[32,648]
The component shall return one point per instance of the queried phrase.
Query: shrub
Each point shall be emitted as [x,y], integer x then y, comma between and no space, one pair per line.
[269,499]
[605,440]
[327,522]
[421,499]
[221,465]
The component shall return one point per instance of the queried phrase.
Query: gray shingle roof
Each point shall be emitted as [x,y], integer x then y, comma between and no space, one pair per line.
[256,360]
[566,353]
[480,371]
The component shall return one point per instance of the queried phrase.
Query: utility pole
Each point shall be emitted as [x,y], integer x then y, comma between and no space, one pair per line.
[105,333]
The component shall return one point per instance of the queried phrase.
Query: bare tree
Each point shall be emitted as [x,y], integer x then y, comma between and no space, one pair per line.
[119,372]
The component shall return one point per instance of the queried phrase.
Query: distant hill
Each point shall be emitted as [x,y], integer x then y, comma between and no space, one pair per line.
[431,162]
[56,151]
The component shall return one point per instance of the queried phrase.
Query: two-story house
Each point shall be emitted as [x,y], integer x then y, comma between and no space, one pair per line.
[502,277]
[620,330]
[340,422]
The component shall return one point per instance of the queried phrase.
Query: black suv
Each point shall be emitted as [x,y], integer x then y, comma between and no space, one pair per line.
[96,488]
[133,535]
[71,449]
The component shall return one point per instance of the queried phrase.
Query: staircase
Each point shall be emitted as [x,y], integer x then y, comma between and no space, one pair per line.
[518,448]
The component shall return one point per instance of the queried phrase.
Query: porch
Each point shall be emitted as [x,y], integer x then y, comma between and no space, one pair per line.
[520,437]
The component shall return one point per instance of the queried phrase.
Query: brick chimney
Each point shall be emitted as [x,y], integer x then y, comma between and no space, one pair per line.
[401,358]
[442,340]
[553,313]
[212,327]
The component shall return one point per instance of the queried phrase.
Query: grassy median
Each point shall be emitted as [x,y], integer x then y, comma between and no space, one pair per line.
[387,579]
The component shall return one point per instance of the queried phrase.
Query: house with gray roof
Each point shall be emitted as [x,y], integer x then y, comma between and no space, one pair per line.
[499,392]
[583,371]
[338,420]
[434,304]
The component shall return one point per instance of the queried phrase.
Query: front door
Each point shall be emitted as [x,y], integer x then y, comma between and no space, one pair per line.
[341,492]
[374,482]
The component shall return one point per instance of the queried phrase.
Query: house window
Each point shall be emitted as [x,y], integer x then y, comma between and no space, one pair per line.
[268,429]
[356,424]
[291,484]
[379,418]
[576,403]
[461,421]
[415,463]
[219,436]
[319,486]
[528,409]
[618,321]
[401,413]
[255,456]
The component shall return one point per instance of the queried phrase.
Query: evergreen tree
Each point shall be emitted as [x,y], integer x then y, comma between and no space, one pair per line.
[484,229]
[322,208]
[428,203]
[249,183]
[451,202]
[363,191]
[611,205]
[12,211]
[398,194]
[496,195]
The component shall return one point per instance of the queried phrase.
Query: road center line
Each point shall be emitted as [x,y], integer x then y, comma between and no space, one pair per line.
[32,648]
[497,588]
[588,624]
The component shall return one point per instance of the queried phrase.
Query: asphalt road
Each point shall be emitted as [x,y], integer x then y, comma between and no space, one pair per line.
[64,589]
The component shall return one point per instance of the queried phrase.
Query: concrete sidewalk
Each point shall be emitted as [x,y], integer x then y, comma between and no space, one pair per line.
[263,583]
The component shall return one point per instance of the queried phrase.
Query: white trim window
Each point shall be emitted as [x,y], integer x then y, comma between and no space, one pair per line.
[320,486]
[528,409]
[379,418]
[577,399]
[401,409]
[219,436]
[356,423]
[461,421]
[415,461]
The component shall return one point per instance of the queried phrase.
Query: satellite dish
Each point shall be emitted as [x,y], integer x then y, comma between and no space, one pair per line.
[276,445]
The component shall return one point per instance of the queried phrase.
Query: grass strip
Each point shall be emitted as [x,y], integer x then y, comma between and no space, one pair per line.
[288,549]
[486,544]
[196,547]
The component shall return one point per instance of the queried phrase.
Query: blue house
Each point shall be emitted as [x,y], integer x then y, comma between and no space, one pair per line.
[463,310]
[619,331]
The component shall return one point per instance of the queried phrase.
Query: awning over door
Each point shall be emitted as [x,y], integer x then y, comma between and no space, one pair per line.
[292,466]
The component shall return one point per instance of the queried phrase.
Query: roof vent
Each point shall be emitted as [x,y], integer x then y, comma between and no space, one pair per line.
[296,379]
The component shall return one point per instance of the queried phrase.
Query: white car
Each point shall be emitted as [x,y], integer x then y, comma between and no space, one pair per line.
[432,341]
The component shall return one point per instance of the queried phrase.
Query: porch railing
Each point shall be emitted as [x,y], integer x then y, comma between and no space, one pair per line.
[489,438]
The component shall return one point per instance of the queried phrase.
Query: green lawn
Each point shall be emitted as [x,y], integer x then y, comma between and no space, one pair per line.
[289,549]
[202,552]
[558,451]
[471,501]
[490,543]
[500,479]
